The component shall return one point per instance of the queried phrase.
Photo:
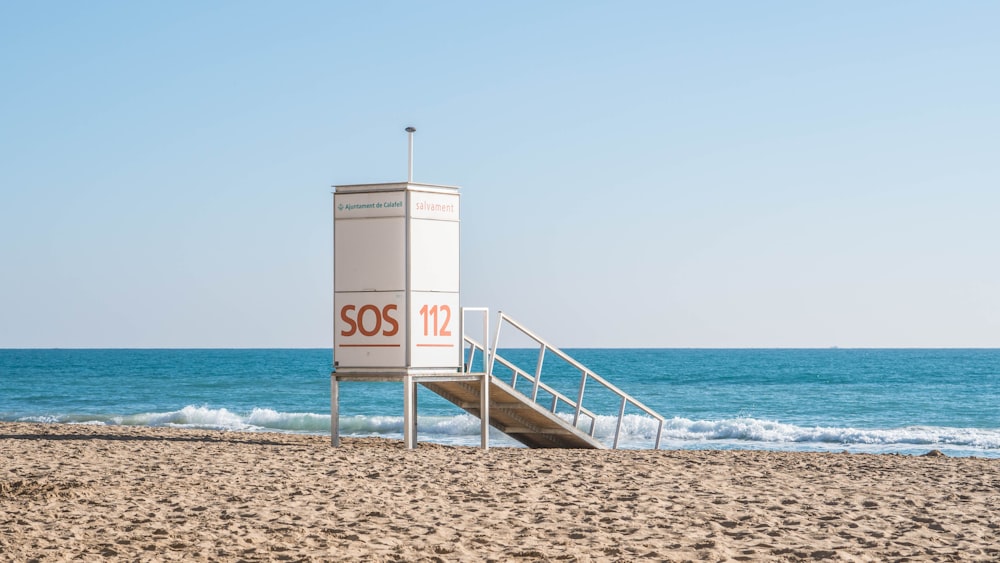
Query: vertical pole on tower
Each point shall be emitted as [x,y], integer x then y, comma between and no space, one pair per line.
[409,176]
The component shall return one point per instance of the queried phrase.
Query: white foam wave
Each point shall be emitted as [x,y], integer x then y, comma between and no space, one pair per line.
[637,431]
[198,417]
[755,430]
[290,421]
[459,425]
[737,432]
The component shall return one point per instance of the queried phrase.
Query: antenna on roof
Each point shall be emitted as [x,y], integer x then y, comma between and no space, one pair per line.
[410,131]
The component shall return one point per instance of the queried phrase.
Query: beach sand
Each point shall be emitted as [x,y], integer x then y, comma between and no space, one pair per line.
[87,493]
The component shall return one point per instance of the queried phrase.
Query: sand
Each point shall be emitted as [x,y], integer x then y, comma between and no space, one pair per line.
[91,493]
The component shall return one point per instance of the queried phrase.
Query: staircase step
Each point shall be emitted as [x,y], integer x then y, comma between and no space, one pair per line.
[515,415]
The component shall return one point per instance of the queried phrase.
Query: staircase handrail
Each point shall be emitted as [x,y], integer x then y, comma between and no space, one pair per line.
[556,395]
[586,374]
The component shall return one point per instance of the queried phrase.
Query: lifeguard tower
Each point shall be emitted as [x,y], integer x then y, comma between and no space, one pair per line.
[398,317]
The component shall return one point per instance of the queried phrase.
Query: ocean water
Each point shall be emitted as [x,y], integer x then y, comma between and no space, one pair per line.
[879,401]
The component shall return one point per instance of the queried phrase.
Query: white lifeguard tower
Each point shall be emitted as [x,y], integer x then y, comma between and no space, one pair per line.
[398,317]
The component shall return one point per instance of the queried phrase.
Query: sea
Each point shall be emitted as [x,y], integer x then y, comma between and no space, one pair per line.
[902,401]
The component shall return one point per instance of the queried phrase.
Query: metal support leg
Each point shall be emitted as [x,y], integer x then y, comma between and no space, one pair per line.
[409,413]
[334,411]
[484,412]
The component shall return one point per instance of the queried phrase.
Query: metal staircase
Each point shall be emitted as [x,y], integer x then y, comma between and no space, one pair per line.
[523,417]
[514,414]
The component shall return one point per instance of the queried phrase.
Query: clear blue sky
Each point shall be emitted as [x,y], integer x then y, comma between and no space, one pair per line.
[697,174]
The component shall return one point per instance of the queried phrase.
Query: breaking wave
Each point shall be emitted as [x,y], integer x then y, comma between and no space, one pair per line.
[636,431]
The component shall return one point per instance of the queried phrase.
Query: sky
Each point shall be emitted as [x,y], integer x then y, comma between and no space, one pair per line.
[633,174]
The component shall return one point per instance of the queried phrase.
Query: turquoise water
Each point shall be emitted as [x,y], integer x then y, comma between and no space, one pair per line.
[905,401]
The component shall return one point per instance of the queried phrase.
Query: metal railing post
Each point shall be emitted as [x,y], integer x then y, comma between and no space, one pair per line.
[538,373]
[618,427]
[578,408]
[484,384]
[484,390]
[496,341]
[579,398]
